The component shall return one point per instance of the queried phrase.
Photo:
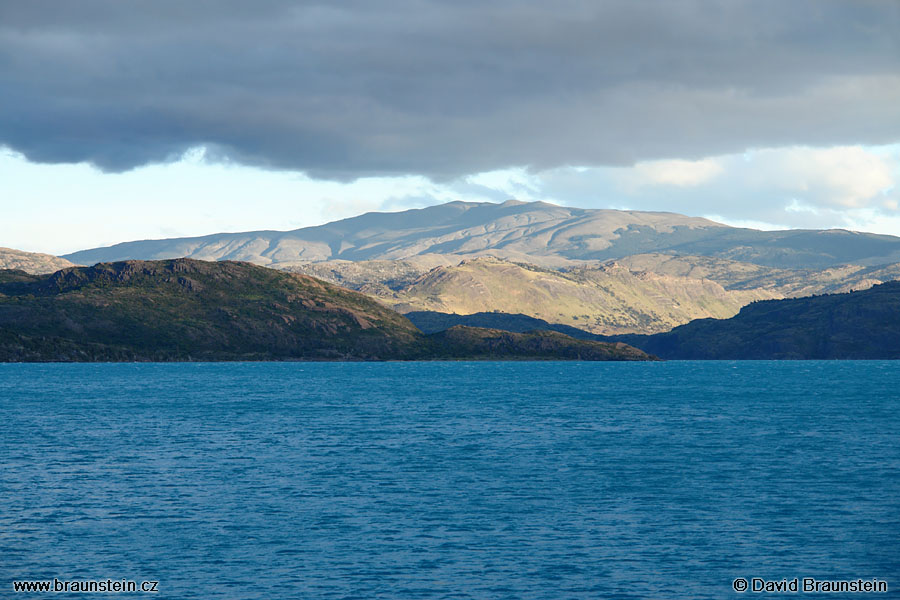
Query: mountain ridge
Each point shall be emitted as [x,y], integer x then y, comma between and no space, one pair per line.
[536,232]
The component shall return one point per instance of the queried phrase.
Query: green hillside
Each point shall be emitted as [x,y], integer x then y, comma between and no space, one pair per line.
[194,310]
[184,309]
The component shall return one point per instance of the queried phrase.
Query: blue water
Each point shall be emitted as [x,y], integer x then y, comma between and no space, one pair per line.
[450,480]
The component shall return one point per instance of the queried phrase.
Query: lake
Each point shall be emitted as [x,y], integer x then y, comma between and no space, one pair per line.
[450,480]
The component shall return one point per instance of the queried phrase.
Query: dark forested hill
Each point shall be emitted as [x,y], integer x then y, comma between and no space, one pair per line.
[185,309]
[493,344]
[855,325]
[433,322]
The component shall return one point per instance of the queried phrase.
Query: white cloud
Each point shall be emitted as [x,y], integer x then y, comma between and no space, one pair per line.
[681,173]
[797,207]
[772,187]
[515,183]
[746,223]
[842,177]
[63,208]
[873,221]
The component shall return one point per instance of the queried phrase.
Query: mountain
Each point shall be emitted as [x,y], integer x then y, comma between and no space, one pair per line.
[736,275]
[604,271]
[184,309]
[535,232]
[31,262]
[606,299]
[855,325]
[643,293]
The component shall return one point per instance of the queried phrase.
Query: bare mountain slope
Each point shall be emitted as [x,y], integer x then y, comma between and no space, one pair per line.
[536,232]
[606,300]
[31,262]
[789,283]
[641,293]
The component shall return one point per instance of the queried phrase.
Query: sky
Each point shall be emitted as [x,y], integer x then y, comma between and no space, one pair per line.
[159,118]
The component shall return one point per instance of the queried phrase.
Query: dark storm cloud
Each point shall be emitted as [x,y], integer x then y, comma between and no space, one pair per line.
[442,88]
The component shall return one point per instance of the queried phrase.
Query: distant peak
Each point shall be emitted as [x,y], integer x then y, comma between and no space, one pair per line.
[514,202]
